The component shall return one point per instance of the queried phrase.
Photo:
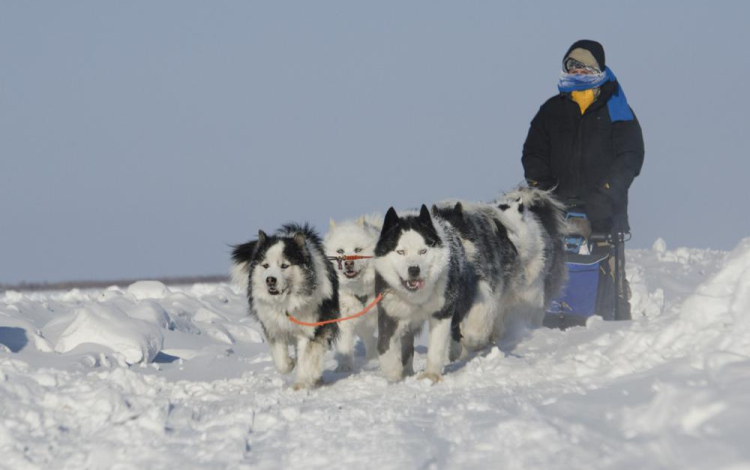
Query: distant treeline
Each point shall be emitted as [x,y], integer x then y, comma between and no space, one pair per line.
[67,285]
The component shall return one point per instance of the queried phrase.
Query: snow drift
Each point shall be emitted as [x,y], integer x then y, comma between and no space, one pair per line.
[164,377]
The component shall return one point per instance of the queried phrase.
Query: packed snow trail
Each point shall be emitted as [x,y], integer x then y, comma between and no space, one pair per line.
[667,390]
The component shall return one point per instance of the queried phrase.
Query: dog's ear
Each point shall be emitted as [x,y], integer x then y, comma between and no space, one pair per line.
[425,220]
[262,237]
[331,224]
[361,221]
[459,209]
[391,221]
[424,216]
[435,210]
[299,239]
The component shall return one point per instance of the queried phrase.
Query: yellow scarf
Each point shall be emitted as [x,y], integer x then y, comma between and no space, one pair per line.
[584,98]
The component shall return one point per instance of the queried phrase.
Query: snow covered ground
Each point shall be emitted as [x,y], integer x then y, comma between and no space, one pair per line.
[149,376]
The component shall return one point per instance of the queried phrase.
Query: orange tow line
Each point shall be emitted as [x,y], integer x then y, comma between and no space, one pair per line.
[336,320]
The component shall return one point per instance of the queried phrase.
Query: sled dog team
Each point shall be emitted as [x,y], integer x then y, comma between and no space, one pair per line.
[466,269]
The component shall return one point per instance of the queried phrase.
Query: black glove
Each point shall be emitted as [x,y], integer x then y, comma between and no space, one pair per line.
[599,210]
[543,184]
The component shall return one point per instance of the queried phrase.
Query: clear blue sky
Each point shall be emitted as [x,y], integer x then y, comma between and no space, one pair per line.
[140,138]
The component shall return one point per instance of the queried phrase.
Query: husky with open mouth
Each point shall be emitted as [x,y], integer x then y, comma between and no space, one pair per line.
[422,268]
[356,283]
[286,274]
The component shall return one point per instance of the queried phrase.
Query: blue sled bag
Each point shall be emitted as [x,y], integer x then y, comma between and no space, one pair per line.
[590,287]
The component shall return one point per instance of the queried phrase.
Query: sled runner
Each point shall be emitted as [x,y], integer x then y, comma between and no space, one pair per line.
[596,277]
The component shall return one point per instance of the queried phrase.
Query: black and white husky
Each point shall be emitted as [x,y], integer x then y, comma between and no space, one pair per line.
[288,274]
[422,268]
[356,283]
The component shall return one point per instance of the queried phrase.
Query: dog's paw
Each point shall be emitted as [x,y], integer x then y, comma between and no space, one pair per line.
[345,363]
[306,385]
[456,351]
[286,368]
[344,367]
[393,378]
[432,376]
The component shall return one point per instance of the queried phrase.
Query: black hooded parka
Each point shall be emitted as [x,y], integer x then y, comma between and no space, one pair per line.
[586,157]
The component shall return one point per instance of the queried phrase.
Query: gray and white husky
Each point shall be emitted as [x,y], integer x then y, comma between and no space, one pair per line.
[356,284]
[422,268]
[541,212]
[288,274]
[515,247]
[496,260]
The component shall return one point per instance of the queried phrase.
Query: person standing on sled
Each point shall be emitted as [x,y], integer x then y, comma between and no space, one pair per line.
[586,145]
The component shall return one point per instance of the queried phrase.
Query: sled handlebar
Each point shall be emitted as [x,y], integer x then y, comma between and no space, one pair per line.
[609,237]
[599,237]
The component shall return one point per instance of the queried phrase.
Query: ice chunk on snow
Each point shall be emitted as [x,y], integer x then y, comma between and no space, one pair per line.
[12,296]
[660,246]
[111,292]
[136,340]
[151,312]
[205,315]
[148,290]
[16,333]
[74,295]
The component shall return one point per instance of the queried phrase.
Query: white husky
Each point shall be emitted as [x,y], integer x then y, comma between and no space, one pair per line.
[535,221]
[549,213]
[356,284]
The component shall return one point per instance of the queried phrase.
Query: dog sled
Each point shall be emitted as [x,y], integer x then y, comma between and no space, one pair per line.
[596,276]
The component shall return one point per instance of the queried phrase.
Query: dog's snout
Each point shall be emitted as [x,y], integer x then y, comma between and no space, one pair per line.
[413,271]
[271,281]
[349,264]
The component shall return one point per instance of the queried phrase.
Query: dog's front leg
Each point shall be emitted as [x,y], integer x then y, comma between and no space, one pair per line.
[390,337]
[407,351]
[437,354]
[309,362]
[367,335]
[345,347]
[280,354]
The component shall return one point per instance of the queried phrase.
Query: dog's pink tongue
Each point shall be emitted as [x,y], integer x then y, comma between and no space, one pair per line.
[416,284]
